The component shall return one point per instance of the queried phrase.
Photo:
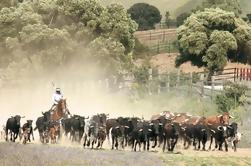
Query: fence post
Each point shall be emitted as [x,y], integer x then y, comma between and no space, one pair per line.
[159,79]
[202,84]
[158,48]
[168,81]
[191,83]
[164,36]
[178,78]
[212,88]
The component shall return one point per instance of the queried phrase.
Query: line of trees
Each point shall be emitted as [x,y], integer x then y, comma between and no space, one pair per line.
[48,35]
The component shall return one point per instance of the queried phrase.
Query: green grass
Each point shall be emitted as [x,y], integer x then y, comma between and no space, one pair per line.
[180,160]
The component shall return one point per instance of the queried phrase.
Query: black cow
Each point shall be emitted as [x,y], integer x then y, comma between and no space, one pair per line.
[27,131]
[117,134]
[219,134]
[157,131]
[232,135]
[200,135]
[77,126]
[141,135]
[171,135]
[13,124]
[42,126]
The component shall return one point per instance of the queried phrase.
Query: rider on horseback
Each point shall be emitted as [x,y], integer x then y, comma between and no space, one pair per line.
[57,96]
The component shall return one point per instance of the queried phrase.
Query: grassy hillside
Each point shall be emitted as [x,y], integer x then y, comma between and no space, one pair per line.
[175,7]
[162,5]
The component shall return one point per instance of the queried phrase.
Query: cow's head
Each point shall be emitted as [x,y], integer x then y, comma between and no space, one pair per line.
[82,121]
[223,130]
[17,119]
[232,129]
[29,123]
[224,118]
[102,118]
[46,116]
[155,126]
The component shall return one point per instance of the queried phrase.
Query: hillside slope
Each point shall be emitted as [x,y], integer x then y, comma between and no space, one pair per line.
[174,7]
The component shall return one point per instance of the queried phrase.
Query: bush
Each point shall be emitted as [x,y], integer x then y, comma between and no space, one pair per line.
[140,50]
[231,97]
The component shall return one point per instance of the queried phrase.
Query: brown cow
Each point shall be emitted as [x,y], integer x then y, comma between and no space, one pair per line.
[195,120]
[220,119]
[53,133]
[181,118]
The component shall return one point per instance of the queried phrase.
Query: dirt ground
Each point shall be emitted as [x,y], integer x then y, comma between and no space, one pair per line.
[166,62]
[57,155]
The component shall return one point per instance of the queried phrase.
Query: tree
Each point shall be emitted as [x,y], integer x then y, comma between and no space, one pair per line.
[228,5]
[212,37]
[181,18]
[145,15]
[54,33]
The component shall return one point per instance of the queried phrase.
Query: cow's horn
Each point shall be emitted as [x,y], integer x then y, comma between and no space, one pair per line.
[149,129]
[151,124]
[213,131]
[141,130]
[219,128]
[203,129]
[219,116]
[127,127]
[230,116]
[161,124]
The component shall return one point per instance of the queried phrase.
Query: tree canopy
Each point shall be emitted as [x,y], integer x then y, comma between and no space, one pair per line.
[52,33]
[228,5]
[212,37]
[145,15]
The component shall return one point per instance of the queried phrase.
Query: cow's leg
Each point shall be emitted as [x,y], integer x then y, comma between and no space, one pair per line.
[164,144]
[173,143]
[135,146]
[199,144]
[144,145]
[235,145]
[139,145]
[168,144]
[211,141]
[6,134]
[155,142]
[116,143]
[226,145]
[112,142]
[15,136]
[148,144]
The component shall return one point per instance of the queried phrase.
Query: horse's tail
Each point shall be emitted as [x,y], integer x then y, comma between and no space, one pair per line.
[35,128]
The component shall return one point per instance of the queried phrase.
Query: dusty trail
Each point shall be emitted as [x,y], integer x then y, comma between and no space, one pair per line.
[67,153]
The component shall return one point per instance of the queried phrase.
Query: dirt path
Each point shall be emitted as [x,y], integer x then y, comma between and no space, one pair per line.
[48,155]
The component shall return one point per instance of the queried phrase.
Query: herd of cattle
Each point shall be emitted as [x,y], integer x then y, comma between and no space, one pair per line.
[163,129]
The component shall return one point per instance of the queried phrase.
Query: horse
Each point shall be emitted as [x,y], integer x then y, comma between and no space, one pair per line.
[60,111]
